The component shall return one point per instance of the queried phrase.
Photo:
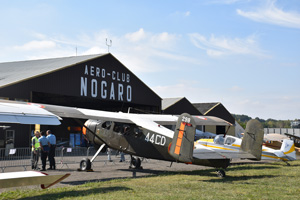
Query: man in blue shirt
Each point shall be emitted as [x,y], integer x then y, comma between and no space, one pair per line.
[44,143]
[52,140]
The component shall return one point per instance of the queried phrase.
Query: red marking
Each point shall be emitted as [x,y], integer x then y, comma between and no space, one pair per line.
[203,118]
[44,173]
[37,105]
[59,180]
[169,147]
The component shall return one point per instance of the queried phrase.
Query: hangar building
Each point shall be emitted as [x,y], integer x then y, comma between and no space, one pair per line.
[93,81]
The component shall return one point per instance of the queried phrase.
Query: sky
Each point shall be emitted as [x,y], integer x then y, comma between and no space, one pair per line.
[242,53]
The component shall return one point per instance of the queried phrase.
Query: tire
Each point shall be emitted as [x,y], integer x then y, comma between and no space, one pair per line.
[221,173]
[85,164]
[136,162]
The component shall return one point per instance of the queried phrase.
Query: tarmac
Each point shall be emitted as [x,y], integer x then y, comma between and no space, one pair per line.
[104,170]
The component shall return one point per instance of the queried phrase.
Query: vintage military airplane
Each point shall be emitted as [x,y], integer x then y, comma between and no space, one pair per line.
[141,135]
[230,143]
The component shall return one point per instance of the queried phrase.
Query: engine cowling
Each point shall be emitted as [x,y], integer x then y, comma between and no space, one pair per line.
[92,131]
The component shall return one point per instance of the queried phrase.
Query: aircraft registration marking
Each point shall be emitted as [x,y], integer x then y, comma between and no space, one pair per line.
[156,139]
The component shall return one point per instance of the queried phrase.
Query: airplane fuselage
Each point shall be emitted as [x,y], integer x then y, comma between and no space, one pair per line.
[130,139]
[134,140]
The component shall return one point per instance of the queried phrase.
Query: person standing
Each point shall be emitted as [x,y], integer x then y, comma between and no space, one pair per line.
[44,143]
[52,140]
[35,150]
[109,155]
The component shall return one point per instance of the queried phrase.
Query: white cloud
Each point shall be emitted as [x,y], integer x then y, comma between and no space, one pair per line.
[136,36]
[215,46]
[187,13]
[236,89]
[36,45]
[94,50]
[273,15]
[226,1]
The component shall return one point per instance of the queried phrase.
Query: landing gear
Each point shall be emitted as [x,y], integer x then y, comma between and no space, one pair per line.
[135,162]
[288,164]
[85,164]
[221,173]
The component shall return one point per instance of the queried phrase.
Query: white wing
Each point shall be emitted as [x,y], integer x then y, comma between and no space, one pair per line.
[26,114]
[16,179]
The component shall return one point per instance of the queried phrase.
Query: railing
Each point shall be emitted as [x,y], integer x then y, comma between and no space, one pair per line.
[21,157]
[282,131]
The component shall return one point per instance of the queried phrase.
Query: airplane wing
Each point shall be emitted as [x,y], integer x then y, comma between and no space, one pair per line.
[52,112]
[26,114]
[17,179]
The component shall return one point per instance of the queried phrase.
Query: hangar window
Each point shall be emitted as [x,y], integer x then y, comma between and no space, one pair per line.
[220,130]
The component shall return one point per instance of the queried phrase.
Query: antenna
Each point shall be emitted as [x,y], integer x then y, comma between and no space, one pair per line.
[76,50]
[108,45]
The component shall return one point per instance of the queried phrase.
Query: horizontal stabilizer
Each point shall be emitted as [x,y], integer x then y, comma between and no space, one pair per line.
[17,179]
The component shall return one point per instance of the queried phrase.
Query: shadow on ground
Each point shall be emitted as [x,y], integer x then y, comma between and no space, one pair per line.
[78,193]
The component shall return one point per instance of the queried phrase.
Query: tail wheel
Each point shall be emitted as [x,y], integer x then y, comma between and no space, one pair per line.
[221,173]
[85,164]
[136,162]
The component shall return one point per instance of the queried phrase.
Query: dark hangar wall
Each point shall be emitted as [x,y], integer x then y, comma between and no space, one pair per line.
[100,83]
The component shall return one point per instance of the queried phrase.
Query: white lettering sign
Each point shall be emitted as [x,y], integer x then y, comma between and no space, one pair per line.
[97,82]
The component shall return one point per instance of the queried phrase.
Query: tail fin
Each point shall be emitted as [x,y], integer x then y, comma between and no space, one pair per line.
[183,141]
[253,139]
[288,148]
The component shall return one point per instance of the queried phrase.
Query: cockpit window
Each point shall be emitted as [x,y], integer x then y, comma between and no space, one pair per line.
[138,132]
[229,141]
[219,139]
[106,125]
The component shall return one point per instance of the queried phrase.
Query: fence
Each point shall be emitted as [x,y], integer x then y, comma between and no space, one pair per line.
[282,131]
[21,157]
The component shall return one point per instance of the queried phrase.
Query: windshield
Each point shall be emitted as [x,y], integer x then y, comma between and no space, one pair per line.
[219,139]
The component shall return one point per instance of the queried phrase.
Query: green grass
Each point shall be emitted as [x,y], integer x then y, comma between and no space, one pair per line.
[255,181]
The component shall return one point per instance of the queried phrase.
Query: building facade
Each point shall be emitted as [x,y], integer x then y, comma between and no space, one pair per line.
[98,82]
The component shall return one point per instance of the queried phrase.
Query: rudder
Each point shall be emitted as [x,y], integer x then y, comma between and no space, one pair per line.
[288,148]
[253,139]
[183,141]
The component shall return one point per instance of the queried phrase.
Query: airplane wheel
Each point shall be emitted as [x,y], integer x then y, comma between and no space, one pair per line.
[85,164]
[221,173]
[136,162]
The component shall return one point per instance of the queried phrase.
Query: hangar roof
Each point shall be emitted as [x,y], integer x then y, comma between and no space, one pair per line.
[178,106]
[215,109]
[206,107]
[167,102]
[13,72]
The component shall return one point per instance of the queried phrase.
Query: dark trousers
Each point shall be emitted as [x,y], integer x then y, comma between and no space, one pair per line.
[51,156]
[35,159]
[44,155]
